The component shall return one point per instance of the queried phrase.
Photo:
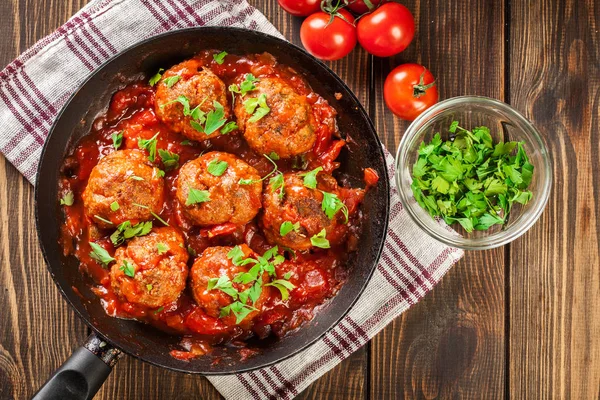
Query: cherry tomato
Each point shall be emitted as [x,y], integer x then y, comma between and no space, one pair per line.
[386,31]
[409,90]
[300,8]
[359,6]
[328,41]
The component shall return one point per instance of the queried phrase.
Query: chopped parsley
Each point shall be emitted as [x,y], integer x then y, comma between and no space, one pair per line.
[246,86]
[114,206]
[217,167]
[284,287]
[128,269]
[161,248]
[469,179]
[215,118]
[319,240]
[220,58]
[169,160]
[170,81]
[149,287]
[154,80]
[117,139]
[277,183]
[68,199]
[99,254]
[229,127]
[196,196]
[257,106]
[331,204]
[149,145]
[287,227]
[310,178]
[127,231]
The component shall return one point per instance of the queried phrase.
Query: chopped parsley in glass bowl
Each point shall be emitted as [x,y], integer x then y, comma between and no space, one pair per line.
[475,164]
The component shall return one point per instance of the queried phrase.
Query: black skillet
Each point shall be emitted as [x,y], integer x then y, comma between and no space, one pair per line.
[84,372]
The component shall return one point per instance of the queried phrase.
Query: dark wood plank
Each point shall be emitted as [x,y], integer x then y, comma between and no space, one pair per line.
[555,268]
[38,329]
[451,344]
[348,379]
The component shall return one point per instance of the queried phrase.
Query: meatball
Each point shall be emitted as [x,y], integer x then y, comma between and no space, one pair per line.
[214,263]
[228,200]
[200,86]
[158,262]
[118,185]
[289,127]
[301,205]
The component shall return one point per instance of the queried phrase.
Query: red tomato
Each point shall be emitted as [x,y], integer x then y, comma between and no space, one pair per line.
[386,31]
[300,8]
[359,6]
[328,41]
[409,90]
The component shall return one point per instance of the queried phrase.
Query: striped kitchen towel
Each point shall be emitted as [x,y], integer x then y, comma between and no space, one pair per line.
[35,86]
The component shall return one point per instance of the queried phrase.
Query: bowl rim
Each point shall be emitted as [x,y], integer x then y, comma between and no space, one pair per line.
[500,238]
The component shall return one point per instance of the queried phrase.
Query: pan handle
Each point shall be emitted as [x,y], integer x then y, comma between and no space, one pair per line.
[81,376]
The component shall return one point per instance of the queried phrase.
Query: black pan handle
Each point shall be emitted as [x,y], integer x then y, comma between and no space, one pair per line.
[81,376]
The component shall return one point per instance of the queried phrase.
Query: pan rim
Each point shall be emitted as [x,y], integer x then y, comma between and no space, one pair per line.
[332,74]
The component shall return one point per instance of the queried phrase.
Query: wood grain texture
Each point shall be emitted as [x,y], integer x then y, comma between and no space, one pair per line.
[451,344]
[38,329]
[555,268]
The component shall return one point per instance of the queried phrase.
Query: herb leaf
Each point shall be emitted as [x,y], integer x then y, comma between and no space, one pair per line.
[196,196]
[229,127]
[215,118]
[169,160]
[319,240]
[283,286]
[99,254]
[310,178]
[149,145]
[170,81]
[287,227]
[331,204]
[219,58]
[154,80]
[128,269]
[68,199]
[162,248]
[126,231]
[217,167]
[117,139]
[257,107]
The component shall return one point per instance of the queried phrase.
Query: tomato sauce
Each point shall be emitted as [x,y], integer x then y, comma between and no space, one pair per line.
[317,275]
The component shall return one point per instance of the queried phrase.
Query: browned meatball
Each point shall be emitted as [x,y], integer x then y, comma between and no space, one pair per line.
[158,263]
[124,179]
[200,86]
[301,205]
[228,200]
[289,127]
[214,263]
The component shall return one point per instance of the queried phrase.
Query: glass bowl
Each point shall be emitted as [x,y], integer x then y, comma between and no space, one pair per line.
[505,124]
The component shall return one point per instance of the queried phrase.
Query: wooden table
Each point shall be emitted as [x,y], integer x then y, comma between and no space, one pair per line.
[518,321]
